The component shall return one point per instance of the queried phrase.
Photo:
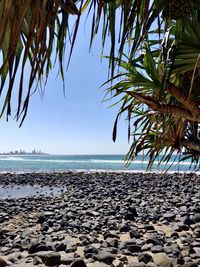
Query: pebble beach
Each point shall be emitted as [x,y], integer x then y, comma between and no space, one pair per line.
[103,219]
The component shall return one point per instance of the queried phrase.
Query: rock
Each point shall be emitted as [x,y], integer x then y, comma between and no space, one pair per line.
[124,228]
[92,213]
[133,211]
[156,249]
[3,241]
[181,227]
[105,256]
[188,221]
[134,234]
[135,264]
[146,247]
[95,205]
[129,217]
[90,249]
[44,227]
[196,217]
[43,217]
[97,264]
[3,263]
[151,264]
[110,235]
[25,244]
[130,246]
[175,235]
[67,259]
[113,242]
[117,263]
[37,260]
[87,226]
[52,258]
[180,260]
[71,248]
[161,259]
[190,264]
[169,216]
[167,249]
[27,233]
[78,263]
[36,247]
[15,257]
[60,247]
[122,258]
[48,214]
[145,257]
[149,227]
[133,248]
[155,241]
[196,232]
[29,260]
[197,251]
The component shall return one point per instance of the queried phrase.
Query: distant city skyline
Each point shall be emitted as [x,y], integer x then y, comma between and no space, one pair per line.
[23,152]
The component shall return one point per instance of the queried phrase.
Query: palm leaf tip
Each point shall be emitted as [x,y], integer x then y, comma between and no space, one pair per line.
[28,31]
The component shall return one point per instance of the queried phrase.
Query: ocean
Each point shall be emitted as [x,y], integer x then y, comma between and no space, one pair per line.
[51,163]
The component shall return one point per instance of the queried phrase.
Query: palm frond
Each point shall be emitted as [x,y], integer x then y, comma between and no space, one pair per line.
[27,34]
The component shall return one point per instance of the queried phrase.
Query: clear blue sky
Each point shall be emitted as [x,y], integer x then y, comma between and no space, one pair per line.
[79,123]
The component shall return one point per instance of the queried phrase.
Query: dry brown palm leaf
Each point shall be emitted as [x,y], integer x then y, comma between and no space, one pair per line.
[176,111]
[182,97]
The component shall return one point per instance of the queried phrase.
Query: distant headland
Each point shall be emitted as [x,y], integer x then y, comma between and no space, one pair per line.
[23,152]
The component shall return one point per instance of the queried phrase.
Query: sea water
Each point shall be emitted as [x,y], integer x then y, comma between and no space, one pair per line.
[50,163]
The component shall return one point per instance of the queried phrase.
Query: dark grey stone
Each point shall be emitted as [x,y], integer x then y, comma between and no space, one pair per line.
[190,264]
[196,217]
[113,242]
[44,227]
[52,258]
[90,249]
[133,248]
[145,257]
[78,263]
[156,249]
[129,217]
[60,247]
[155,241]
[36,247]
[105,256]
[124,228]
[3,263]
[134,234]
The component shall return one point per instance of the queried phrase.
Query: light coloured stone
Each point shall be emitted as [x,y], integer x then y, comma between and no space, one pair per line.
[161,259]
[117,263]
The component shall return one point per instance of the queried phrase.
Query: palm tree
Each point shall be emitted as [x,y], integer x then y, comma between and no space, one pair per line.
[154,50]
[159,86]
[33,31]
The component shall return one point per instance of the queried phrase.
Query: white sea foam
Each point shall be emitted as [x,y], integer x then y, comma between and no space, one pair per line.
[12,158]
[139,162]
[60,160]
[106,161]
[40,160]
[95,161]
